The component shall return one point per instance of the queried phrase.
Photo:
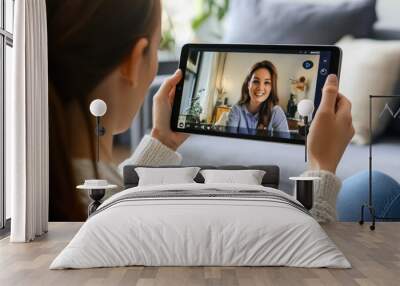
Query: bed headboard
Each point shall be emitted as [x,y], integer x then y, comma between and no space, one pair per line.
[270,179]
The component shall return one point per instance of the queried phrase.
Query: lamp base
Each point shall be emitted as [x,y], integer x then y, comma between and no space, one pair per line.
[302,130]
[372,213]
[374,217]
[96,195]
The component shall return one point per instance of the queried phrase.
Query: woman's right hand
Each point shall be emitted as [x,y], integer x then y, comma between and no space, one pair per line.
[162,110]
[331,129]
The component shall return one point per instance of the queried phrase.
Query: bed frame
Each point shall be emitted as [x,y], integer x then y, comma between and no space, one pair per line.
[270,179]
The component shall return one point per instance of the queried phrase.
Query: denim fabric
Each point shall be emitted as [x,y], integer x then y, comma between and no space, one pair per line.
[354,193]
[239,117]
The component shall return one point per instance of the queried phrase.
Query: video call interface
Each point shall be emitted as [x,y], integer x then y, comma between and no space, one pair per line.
[250,93]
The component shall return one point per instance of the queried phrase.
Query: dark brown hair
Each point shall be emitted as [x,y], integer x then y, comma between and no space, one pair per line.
[87,39]
[265,111]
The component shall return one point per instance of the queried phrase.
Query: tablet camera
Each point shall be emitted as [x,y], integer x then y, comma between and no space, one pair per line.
[308,65]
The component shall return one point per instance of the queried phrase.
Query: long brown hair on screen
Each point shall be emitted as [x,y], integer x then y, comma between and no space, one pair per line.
[265,111]
[87,39]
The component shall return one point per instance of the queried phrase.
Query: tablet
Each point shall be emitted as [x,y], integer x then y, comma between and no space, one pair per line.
[250,91]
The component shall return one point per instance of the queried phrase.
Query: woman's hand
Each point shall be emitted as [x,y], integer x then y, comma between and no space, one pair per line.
[331,129]
[162,109]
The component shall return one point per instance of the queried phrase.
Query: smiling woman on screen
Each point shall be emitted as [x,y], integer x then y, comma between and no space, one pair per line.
[258,105]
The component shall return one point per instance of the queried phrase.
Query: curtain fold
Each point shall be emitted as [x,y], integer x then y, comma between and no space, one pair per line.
[27,124]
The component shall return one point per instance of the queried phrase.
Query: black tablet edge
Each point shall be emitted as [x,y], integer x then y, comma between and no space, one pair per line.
[335,65]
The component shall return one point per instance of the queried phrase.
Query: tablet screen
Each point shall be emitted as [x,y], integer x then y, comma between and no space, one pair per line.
[250,94]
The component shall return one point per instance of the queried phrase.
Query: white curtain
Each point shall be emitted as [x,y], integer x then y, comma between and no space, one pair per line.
[27,124]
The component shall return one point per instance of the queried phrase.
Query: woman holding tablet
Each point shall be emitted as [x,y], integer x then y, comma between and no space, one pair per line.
[258,105]
[83,67]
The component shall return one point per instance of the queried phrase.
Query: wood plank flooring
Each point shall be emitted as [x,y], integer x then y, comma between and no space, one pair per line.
[375,257]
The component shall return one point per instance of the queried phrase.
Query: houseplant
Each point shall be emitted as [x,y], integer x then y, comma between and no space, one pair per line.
[207,24]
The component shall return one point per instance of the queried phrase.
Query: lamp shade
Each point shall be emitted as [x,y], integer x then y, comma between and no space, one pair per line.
[305,107]
[98,107]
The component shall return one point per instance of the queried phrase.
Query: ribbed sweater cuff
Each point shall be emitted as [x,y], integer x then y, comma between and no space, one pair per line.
[325,194]
[152,152]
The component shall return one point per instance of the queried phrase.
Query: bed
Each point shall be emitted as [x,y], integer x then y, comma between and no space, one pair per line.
[198,224]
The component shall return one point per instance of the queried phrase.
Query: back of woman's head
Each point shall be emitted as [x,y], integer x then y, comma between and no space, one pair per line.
[87,40]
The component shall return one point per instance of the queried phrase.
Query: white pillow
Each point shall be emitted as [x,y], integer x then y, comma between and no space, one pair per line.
[369,67]
[164,176]
[248,177]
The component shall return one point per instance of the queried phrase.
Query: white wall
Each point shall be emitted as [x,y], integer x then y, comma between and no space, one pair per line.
[388,14]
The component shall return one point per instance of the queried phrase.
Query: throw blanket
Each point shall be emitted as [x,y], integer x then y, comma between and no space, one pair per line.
[206,194]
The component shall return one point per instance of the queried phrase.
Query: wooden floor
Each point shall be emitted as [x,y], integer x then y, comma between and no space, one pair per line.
[375,257]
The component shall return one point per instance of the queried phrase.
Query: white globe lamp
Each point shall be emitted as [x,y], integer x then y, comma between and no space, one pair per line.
[98,108]
[305,107]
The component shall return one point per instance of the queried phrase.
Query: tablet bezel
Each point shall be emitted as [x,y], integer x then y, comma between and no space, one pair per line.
[334,68]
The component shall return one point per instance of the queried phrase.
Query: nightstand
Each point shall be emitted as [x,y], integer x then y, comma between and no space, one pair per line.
[305,190]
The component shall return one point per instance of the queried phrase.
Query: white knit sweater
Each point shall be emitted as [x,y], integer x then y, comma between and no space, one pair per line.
[153,153]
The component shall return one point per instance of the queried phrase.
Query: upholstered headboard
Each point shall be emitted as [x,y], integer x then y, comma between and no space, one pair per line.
[270,179]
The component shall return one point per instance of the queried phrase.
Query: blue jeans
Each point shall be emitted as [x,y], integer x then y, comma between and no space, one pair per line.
[354,193]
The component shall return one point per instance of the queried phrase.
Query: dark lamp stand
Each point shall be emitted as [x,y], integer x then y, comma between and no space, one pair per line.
[369,205]
[305,109]
[96,187]
[100,131]
[306,130]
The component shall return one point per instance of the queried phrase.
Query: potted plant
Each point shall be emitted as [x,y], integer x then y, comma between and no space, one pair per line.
[207,24]
[167,49]
[195,107]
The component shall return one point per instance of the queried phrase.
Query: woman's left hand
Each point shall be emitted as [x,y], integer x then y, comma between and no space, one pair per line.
[162,110]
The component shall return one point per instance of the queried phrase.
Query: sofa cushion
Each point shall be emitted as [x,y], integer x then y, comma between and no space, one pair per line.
[289,22]
[370,67]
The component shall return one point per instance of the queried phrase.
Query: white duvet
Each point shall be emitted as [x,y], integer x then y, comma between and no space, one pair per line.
[200,231]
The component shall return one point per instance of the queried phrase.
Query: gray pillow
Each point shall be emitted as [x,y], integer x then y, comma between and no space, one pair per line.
[288,22]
